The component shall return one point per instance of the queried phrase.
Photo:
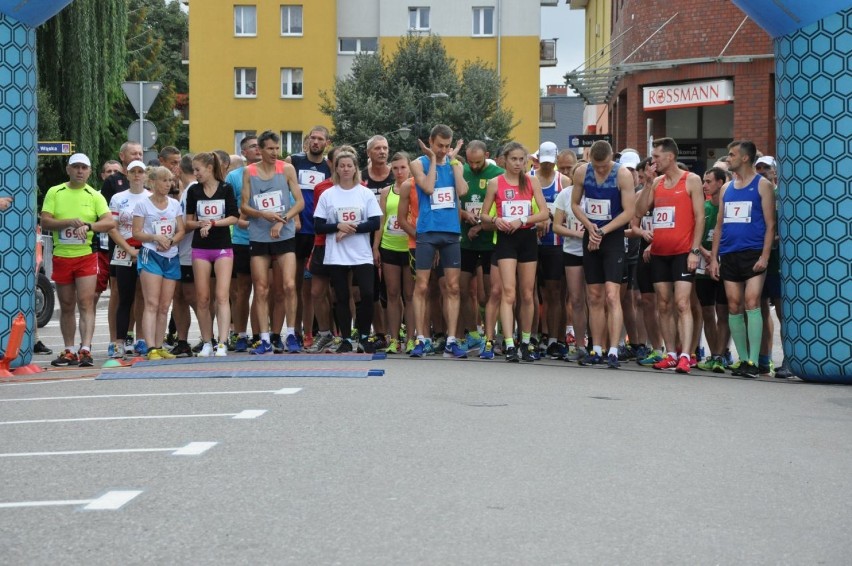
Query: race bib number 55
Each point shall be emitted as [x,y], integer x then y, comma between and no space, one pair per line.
[443,197]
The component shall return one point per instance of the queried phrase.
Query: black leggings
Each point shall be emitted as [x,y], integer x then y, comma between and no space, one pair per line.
[363,276]
[126,277]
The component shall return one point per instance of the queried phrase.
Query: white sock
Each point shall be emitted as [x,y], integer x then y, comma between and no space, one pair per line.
[613,351]
[598,350]
[289,331]
[264,336]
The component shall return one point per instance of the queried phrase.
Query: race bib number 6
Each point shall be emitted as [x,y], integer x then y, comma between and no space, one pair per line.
[210,209]
[443,197]
[349,214]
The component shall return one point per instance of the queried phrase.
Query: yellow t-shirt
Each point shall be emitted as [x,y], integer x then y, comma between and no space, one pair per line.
[63,203]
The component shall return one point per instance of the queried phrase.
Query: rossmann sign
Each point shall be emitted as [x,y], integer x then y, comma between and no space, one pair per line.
[687,95]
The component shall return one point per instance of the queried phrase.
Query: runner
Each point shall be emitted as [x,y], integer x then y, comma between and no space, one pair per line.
[520,205]
[608,188]
[348,212]
[158,225]
[210,210]
[73,211]
[742,243]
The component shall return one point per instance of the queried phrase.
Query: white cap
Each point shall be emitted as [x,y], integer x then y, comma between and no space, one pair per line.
[136,163]
[629,159]
[767,160]
[79,158]
[547,152]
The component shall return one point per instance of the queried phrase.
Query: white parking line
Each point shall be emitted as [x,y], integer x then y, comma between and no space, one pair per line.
[109,501]
[191,449]
[283,391]
[248,414]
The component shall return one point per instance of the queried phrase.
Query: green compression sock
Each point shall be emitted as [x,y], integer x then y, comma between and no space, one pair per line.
[736,322]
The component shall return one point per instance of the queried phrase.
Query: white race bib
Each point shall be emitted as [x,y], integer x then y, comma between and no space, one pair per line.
[710,233]
[737,212]
[572,223]
[664,217]
[269,202]
[443,197]
[210,209]
[474,208]
[309,179]
[104,240]
[121,257]
[648,223]
[165,228]
[551,206]
[349,214]
[69,236]
[514,209]
[392,226]
[598,209]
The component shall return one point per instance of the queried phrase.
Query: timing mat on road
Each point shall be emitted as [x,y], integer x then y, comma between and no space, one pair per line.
[267,358]
[175,373]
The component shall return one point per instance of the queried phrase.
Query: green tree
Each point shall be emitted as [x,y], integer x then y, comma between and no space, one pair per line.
[383,94]
[81,63]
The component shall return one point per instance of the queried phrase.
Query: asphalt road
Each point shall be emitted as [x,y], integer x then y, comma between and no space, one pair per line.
[436,462]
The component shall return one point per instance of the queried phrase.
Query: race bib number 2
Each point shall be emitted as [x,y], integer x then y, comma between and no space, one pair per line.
[309,179]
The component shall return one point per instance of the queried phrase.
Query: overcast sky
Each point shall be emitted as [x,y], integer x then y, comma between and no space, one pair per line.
[567,25]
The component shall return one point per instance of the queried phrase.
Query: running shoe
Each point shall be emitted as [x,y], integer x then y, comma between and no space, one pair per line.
[512,355]
[718,364]
[110,350]
[612,362]
[487,352]
[241,344]
[277,343]
[419,349]
[345,347]
[336,341]
[198,347]
[293,345]
[221,351]
[783,372]
[370,345]
[693,361]
[652,358]
[766,370]
[141,347]
[561,352]
[735,367]
[474,344]
[84,359]
[171,339]
[380,342]
[707,364]
[308,341]
[322,342]
[577,355]
[129,340]
[642,352]
[428,348]
[40,348]
[729,359]
[165,354]
[570,340]
[66,358]
[669,362]
[154,354]
[263,348]
[683,365]
[542,344]
[528,353]
[438,343]
[206,350]
[409,346]
[393,347]
[182,349]
[118,350]
[591,359]
[749,370]
[552,351]
[454,350]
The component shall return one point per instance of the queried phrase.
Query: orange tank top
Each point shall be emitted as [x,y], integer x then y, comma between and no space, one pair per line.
[674,219]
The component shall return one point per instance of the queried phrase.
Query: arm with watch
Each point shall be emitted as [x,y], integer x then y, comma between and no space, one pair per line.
[695,190]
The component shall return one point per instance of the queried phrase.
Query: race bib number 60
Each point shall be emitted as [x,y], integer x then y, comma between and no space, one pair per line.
[210,209]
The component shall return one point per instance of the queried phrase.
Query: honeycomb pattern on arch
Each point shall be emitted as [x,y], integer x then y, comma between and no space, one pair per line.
[814,84]
[18,126]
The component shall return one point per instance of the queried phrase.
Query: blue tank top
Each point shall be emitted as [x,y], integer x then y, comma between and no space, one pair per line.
[743,224]
[550,193]
[269,194]
[235,179]
[603,202]
[310,174]
[439,212]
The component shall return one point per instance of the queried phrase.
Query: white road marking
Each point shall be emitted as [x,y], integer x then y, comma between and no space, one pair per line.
[191,449]
[284,391]
[249,414]
[48,382]
[110,501]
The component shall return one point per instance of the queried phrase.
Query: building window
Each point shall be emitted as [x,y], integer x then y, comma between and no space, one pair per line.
[349,45]
[245,82]
[291,142]
[291,20]
[547,115]
[245,21]
[483,21]
[291,83]
[238,138]
[418,19]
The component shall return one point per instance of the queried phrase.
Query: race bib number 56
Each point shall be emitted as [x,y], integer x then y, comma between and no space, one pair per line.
[349,214]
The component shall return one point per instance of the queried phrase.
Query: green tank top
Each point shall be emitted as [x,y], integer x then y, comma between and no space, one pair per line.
[394,237]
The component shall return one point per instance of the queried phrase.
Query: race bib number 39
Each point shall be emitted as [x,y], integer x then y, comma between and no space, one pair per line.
[269,202]
[443,197]
[349,214]
[514,209]
[121,257]
[737,212]
[664,217]
[69,236]
[598,209]
[210,209]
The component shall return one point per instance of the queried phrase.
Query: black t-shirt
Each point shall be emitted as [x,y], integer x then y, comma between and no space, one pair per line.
[113,185]
[219,237]
[374,185]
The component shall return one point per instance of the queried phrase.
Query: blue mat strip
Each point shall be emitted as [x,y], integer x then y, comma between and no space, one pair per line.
[268,358]
[233,373]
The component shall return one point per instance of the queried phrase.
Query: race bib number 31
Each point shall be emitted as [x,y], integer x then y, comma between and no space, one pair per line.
[738,212]
[598,209]
[443,197]
[210,209]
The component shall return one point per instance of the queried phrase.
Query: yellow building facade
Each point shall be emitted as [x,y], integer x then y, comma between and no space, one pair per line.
[262,65]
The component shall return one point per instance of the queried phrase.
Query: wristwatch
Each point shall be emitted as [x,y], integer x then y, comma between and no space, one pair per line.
[599,231]
[695,251]
[523,220]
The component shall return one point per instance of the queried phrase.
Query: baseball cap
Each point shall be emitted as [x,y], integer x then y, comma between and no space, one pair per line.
[136,163]
[547,152]
[767,160]
[79,158]
[629,158]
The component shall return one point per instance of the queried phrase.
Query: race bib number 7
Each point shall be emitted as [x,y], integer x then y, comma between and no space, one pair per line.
[210,209]
[738,212]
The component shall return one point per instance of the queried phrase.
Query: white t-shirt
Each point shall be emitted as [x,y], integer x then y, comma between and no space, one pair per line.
[347,205]
[159,222]
[122,206]
[573,246]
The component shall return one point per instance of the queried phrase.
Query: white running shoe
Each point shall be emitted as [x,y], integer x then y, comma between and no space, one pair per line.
[221,351]
[206,350]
